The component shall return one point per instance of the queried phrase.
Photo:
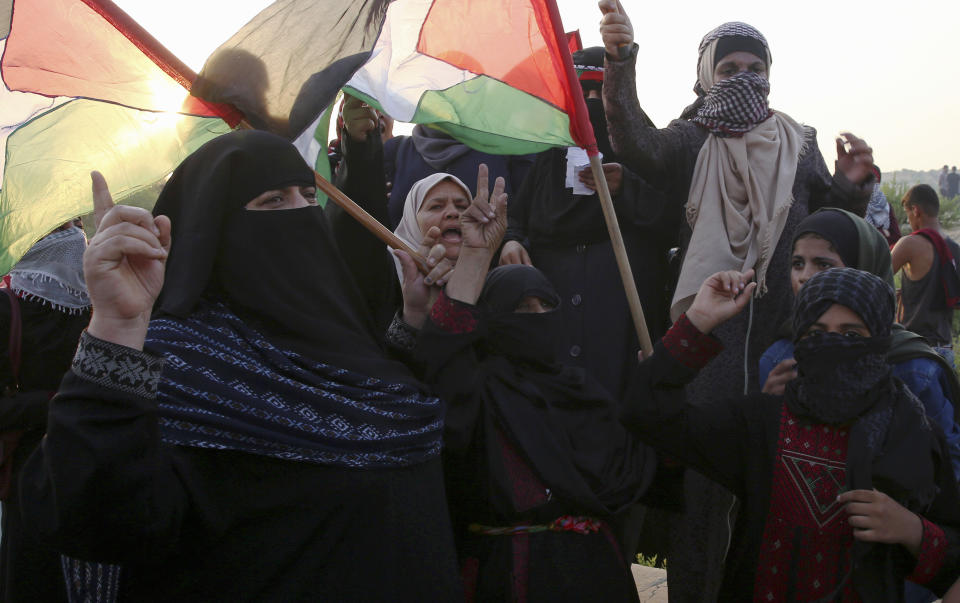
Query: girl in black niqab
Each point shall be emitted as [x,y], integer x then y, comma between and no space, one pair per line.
[536,459]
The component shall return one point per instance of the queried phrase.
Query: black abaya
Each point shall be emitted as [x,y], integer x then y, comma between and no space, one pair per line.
[528,442]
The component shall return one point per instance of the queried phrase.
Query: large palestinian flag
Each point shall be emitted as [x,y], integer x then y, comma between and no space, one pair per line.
[58,56]
[87,87]
[495,74]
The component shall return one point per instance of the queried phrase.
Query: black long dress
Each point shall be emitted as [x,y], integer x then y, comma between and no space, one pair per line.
[528,447]
[241,488]
[30,571]
[567,239]
[189,524]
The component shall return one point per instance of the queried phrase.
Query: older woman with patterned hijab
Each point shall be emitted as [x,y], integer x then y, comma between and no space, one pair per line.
[745,175]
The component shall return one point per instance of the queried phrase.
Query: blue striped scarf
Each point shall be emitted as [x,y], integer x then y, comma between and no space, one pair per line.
[225,387]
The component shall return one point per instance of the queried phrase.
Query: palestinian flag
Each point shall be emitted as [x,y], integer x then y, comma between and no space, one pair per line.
[284,68]
[87,87]
[497,74]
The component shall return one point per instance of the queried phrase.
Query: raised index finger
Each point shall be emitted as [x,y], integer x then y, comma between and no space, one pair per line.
[102,201]
[483,183]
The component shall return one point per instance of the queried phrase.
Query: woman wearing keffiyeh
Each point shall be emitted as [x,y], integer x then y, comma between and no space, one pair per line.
[54,309]
[744,175]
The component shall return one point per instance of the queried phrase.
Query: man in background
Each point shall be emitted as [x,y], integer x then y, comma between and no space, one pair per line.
[928,259]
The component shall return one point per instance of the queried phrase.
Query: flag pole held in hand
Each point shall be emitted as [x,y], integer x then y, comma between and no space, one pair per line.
[368,221]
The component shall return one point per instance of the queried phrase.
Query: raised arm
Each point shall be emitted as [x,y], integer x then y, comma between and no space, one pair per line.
[360,176]
[851,184]
[651,152]
[100,486]
[446,344]
[124,266]
[482,225]
[716,437]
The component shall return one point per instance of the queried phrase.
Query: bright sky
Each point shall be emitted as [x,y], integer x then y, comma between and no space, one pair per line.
[888,72]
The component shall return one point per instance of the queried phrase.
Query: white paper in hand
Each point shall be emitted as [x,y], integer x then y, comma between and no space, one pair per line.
[577,161]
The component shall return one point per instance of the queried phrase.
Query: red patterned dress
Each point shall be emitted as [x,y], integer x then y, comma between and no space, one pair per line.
[792,541]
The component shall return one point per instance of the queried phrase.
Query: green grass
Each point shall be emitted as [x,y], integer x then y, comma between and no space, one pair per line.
[949,221]
[652,561]
[949,208]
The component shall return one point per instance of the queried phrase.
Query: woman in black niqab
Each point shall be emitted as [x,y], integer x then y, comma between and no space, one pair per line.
[270,449]
[530,443]
[279,270]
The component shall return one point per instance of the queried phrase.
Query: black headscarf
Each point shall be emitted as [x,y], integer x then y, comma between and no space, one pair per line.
[833,227]
[858,244]
[527,338]
[561,421]
[278,270]
[847,380]
[864,293]
[840,376]
[589,65]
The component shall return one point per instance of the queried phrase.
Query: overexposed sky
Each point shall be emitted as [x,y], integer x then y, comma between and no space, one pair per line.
[888,72]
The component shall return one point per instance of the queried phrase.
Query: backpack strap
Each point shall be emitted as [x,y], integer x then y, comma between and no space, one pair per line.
[16,328]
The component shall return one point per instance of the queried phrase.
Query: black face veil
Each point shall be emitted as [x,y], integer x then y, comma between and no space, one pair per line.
[278,270]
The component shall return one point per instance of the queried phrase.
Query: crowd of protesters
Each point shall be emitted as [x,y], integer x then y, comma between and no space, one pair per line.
[244,396]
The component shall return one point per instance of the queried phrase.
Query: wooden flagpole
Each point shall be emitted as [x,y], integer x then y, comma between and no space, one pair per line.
[582,133]
[369,222]
[620,252]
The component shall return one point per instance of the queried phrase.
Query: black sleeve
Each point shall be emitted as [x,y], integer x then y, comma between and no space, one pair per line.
[648,208]
[652,152]
[24,411]
[101,485]
[709,437]
[360,174]
[518,205]
[938,564]
[518,167]
[452,368]
[360,177]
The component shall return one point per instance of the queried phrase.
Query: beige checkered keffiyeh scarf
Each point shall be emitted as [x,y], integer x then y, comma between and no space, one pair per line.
[739,199]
